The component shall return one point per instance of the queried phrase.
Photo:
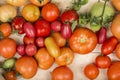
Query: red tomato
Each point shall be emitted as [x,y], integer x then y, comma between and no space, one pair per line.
[28,40]
[50,12]
[83,40]
[62,73]
[40,41]
[109,45]
[21,49]
[56,25]
[91,71]
[103,61]
[114,71]
[69,16]
[42,28]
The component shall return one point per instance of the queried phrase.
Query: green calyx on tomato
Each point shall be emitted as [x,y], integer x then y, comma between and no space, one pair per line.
[83,40]
[40,1]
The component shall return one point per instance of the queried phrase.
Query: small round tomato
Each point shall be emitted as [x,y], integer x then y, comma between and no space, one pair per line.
[44,59]
[91,71]
[5,29]
[56,25]
[10,75]
[103,62]
[114,71]
[117,51]
[7,47]
[26,66]
[17,3]
[50,12]
[31,12]
[21,49]
[62,73]
[39,41]
[66,57]
[83,40]
[28,40]
[39,2]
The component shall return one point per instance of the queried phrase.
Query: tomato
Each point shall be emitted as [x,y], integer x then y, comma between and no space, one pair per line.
[26,66]
[7,47]
[103,62]
[5,29]
[83,40]
[114,71]
[50,12]
[39,2]
[17,2]
[28,40]
[52,47]
[69,16]
[116,4]
[44,59]
[42,27]
[59,39]
[115,26]
[66,57]
[10,75]
[30,49]
[56,25]
[62,73]
[109,45]
[30,12]
[21,49]
[91,71]
[40,41]
[117,51]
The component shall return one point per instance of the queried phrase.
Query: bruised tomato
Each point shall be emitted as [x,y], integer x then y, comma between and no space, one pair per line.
[83,40]
[7,47]
[62,73]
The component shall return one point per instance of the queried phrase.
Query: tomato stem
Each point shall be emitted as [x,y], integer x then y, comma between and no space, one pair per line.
[40,1]
[82,40]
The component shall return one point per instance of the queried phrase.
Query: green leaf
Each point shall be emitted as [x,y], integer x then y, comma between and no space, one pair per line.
[74,24]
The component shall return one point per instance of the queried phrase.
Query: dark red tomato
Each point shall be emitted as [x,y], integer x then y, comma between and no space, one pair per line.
[69,16]
[29,29]
[30,49]
[56,25]
[103,61]
[28,40]
[42,28]
[66,31]
[17,23]
[109,45]
[10,75]
[40,41]
[21,49]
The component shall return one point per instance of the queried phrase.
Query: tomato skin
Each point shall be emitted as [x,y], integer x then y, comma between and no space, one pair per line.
[83,40]
[28,40]
[8,47]
[91,71]
[113,72]
[109,45]
[69,16]
[117,51]
[62,73]
[50,12]
[116,4]
[39,41]
[54,50]
[10,75]
[56,25]
[21,49]
[42,28]
[103,62]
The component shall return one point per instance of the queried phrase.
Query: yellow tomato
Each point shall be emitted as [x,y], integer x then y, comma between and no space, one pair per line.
[31,12]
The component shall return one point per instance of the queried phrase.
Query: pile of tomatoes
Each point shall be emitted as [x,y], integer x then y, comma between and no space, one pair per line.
[49,37]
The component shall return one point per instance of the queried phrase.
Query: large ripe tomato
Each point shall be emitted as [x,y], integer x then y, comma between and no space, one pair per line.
[109,45]
[26,66]
[8,47]
[116,4]
[42,28]
[62,73]
[50,12]
[114,71]
[44,59]
[91,71]
[103,61]
[83,40]
[66,57]
[39,2]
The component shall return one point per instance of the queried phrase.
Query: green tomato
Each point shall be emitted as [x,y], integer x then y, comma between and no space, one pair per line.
[95,27]
[9,63]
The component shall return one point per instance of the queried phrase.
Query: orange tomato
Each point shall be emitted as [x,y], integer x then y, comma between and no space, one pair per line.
[6,29]
[31,12]
[7,47]
[44,59]
[117,51]
[83,40]
[26,66]
[10,75]
[116,4]
[62,73]
[39,2]
[66,57]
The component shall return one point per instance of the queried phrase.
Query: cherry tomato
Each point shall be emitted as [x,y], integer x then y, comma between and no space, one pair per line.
[56,25]
[103,62]
[42,28]
[69,16]
[21,49]
[28,40]
[10,75]
[40,41]
[50,12]
[109,45]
